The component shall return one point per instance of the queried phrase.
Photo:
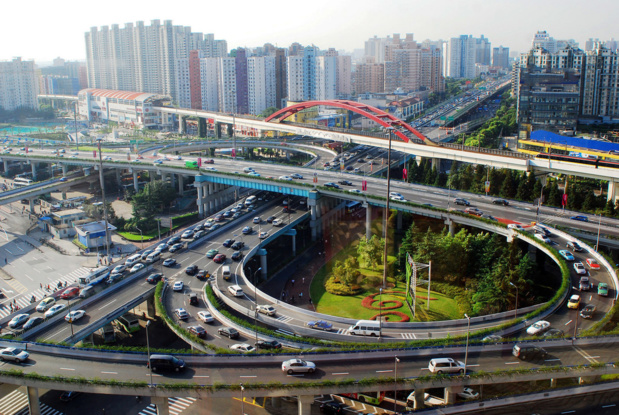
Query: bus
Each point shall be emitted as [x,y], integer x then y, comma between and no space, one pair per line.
[22,182]
[97,276]
[129,322]
[191,164]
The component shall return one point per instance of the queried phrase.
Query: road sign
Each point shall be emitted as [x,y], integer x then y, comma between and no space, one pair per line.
[166,222]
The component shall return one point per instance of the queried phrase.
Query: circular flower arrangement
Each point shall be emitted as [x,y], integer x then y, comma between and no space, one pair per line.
[382,305]
[403,317]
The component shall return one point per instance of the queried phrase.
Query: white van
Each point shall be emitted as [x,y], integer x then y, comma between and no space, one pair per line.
[248,169]
[132,260]
[251,199]
[235,290]
[154,257]
[225,272]
[365,328]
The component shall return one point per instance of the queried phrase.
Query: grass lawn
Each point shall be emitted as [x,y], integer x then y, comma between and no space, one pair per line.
[441,307]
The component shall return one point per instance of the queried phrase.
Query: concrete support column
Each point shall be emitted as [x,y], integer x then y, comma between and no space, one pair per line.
[118,179]
[6,166]
[452,228]
[181,124]
[31,203]
[276,402]
[305,404]
[33,166]
[163,406]
[450,395]
[33,401]
[436,164]
[612,190]
[217,130]
[64,195]
[368,221]
[136,186]
[172,179]
[181,184]
[287,155]
[151,310]
[200,202]
[418,398]
[51,170]
[294,245]
[399,220]
[263,262]
[153,175]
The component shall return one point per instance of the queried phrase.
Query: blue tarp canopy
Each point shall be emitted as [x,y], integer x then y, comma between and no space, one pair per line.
[584,143]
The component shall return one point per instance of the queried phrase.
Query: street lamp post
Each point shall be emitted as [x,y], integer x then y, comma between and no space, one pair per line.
[107,230]
[77,143]
[242,400]
[395,384]
[256,301]
[387,207]
[233,136]
[150,367]
[466,352]
[539,203]
[515,312]
[141,238]
[380,315]
[597,242]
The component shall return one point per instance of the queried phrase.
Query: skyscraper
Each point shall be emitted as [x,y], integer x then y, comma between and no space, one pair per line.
[463,53]
[261,83]
[18,85]
[500,57]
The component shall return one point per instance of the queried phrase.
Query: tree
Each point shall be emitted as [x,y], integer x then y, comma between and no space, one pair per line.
[267,112]
[370,251]
[609,210]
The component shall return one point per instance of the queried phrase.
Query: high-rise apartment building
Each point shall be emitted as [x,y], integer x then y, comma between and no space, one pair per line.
[369,76]
[226,85]
[343,87]
[209,83]
[431,69]
[600,92]
[242,89]
[261,83]
[281,87]
[552,45]
[18,85]
[500,57]
[145,58]
[464,52]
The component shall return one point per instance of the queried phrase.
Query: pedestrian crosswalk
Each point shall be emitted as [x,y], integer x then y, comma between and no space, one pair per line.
[23,300]
[284,319]
[16,403]
[410,336]
[342,331]
[177,406]
[284,332]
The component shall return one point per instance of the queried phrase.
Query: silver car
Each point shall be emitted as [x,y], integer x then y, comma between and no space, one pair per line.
[298,366]
[14,354]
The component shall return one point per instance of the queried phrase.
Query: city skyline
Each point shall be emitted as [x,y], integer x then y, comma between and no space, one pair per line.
[346,28]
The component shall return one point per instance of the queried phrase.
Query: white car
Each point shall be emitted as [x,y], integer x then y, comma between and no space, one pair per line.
[269,310]
[257,219]
[74,315]
[45,304]
[399,198]
[119,269]
[580,268]
[298,366]
[205,316]
[277,222]
[55,309]
[355,191]
[395,194]
[287,178]
[187,234]
[515,226]
[263,235]
[136,268]
[538,328]
[468,394]
[243,347]
[543,238]
[178,286]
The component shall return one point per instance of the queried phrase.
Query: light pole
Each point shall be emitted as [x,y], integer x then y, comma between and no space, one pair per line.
[141,238]
[395,384]
[380,315]
[150,367]
[466,352]
[242,400]
[233,136]
[597,242]
[387,207]
[539,203]
[256,301]
[515,312]
[107,231]
[77,143]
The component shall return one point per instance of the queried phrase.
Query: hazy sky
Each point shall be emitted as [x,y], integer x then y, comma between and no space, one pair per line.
[44,29]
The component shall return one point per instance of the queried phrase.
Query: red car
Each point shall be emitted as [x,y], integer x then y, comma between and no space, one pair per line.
[219,258]
[208,161]
[70,293]
[219,218]
[593,264]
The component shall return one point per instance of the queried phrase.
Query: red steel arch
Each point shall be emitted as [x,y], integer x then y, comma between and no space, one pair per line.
[381,117]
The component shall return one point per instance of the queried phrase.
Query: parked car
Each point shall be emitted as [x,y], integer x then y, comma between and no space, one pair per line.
[468,394]
[298,366]
[229,332]
[538,328]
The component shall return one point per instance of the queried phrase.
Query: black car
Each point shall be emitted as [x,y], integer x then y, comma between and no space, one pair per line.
[268,344]
[193,299]
[154,278]
[331,185]
[191,269]
[237,246]
[197,331]
[270,219]
[229,332]
[349,168]
[33,322]
[201,275]
[500,202]
[227,214]
[287,210]
[174,240]
[574,246]
[529,352]
[332,408]
[345,182]
[237,256]
[462,202]
[228,243]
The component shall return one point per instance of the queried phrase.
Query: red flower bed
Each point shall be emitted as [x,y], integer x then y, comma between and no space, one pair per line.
[383,305]
[403,317]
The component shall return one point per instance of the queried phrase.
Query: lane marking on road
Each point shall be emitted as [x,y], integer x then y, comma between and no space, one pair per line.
[512,363]
[567,323]
[477,365]
[609,406]
[153,374]
[201,376]
[248,376]
[568,412]
[384,371]
[66,368]
[340,373]
[552,360]
[110,373]
[295,376]
[28,276]
[105,306]
[585,355]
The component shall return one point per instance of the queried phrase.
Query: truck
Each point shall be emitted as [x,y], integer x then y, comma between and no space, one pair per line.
[191,164]
[96,277]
